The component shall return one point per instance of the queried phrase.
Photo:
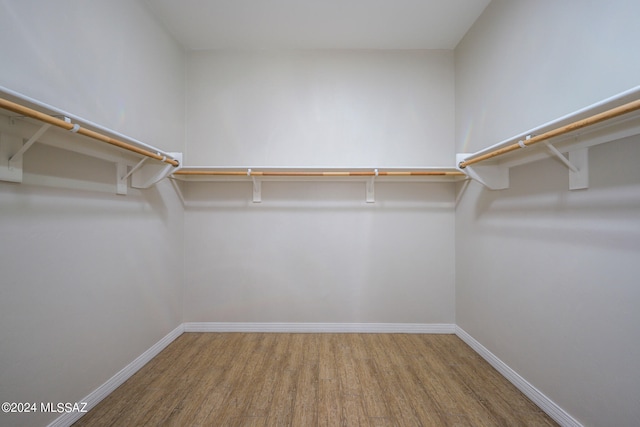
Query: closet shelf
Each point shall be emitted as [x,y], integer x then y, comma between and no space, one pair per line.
[196,173]
[605,121]
[29,121]
[367,175]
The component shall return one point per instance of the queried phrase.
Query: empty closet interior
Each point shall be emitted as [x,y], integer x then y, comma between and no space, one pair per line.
[476,179]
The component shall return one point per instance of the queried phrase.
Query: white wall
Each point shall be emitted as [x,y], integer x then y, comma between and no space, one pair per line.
[320,108]
[316,252]
[89,280]
[106,61]
[528,62]
[546,278]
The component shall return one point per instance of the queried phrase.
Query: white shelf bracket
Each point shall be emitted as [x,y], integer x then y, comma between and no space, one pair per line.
[257,190]
[148,174]
[121,179]
[10,170]
[560,156]
[494,177]
[578,164]
[579,179]
[17,157]
[371,193]
[135,168]
[461,191]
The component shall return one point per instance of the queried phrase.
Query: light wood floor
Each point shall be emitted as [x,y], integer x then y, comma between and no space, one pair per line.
[262,379]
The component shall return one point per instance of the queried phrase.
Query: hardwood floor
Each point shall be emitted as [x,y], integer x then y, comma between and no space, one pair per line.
[276,379]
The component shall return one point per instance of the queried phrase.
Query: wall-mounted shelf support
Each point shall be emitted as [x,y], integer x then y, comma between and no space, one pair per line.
[135,168]
[560,156]
[18,156]
[578,164]
[579,179]
[148,174]
[371,191]
[10,170]
[257,190]
[121,179]
[494,177]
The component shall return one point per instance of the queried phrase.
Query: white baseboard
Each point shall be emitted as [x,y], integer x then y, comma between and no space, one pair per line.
[114,382]
[409,328]
[546,404]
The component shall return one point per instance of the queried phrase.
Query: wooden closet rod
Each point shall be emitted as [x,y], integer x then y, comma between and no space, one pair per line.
[579,124]
[317,173]
[46,118]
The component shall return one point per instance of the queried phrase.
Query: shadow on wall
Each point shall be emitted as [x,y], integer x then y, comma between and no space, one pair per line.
[539,206]
[320,195]
[60,183]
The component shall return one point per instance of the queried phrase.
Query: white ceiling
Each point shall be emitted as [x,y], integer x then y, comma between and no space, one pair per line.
[318,24]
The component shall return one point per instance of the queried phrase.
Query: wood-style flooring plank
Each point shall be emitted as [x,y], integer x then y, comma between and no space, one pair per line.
[397,391]
[329,402]
[305,410]
[261,379]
